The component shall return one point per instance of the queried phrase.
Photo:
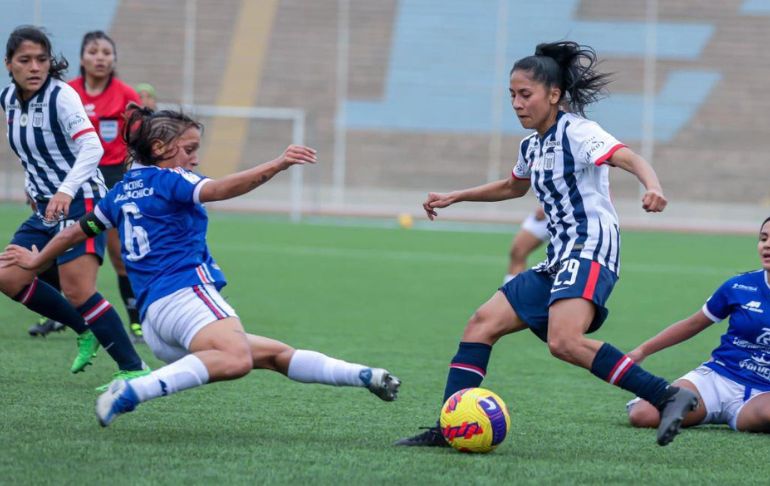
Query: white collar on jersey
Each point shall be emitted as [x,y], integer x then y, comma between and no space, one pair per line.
[137,166]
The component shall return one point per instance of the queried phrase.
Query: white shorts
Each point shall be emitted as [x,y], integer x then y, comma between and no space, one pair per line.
[171,323]
[537,228]
[723,398]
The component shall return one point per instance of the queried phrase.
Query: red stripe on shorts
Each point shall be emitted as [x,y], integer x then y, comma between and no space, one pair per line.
[593,277]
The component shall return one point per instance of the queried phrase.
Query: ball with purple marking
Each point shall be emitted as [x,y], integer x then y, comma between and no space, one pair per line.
[474,420]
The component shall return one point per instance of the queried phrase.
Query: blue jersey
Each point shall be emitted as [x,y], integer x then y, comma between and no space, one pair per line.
[162,227]
[744,352]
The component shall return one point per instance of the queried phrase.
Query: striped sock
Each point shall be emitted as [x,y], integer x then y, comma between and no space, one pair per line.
[612,366]
[106,325]
[468,367]
[45,300]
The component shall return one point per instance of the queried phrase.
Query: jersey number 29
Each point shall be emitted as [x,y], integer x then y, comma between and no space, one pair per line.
[134,237]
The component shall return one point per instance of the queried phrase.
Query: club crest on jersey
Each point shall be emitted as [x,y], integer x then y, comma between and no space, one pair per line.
[108,130]
[37,119]
[549,161]
[23,119]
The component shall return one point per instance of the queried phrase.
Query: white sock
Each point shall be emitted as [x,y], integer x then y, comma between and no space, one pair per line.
[508,278]
[313,367]
[188,372]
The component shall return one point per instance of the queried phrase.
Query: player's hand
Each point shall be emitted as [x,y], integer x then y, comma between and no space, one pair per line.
[21,257]
[58,207]
[296,154]
[436,200]
[636,355]
[654,201]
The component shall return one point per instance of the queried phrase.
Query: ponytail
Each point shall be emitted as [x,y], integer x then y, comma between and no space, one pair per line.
[144,127]
[568,66]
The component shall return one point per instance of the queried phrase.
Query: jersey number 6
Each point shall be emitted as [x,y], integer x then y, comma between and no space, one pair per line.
[133,233]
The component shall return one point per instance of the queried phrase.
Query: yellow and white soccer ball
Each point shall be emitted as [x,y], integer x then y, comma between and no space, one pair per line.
[474,420]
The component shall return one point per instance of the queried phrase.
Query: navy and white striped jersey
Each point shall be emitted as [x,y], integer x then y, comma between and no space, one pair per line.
[567,172]
[43,132]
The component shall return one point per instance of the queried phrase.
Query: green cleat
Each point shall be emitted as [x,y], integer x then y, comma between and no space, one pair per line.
[87,346]
[135,331]
[124,375]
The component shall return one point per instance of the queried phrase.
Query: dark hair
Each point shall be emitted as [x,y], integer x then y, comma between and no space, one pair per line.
[93,36]
[570,67]
[34,34]
[763,224]
[144,127]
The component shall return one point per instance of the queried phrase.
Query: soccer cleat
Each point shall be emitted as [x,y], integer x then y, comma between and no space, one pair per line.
[44,326]
[432,437]
[124,375]
[118,399]
[672,411]
[380,382]
[135,331]
[87,346]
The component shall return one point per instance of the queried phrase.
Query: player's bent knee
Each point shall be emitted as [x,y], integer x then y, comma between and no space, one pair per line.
[560,348]
[643,415]
[239,364]
[482,327]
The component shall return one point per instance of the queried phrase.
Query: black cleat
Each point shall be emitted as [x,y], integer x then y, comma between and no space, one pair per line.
[673,409]
[432,437]
[44,327]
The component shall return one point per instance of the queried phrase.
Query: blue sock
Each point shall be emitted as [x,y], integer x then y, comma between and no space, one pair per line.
[611,365]
[106,325]
[468,367]
[45,300]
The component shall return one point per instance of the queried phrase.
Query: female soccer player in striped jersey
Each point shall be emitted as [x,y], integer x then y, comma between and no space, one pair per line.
[50,133]
[733,387]
[566,162]
[105,98]
[158,210]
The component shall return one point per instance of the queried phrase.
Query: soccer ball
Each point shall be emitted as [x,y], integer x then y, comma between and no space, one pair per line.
[474,420]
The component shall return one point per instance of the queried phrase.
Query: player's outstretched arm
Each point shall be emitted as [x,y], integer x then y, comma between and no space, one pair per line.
[653,200]
[673,334]
[490,192]
[240,183]
[37,261]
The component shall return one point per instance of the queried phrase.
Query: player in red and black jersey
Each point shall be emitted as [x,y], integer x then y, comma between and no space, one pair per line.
[105,98]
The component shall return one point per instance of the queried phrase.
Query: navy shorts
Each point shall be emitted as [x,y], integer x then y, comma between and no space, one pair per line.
[531,293]
[34,232]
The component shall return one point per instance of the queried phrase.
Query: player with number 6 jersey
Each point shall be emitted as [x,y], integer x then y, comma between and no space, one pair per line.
[566,161]
[158,211]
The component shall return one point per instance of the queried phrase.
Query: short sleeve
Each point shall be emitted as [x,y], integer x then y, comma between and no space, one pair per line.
[717,307]
[182,186]
[103,210]
[72,116]
[590,144]
[522,170]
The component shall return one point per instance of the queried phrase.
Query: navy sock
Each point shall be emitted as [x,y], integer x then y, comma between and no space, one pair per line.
[51,277]
[106,325]
[468,367]
[611,365]
[127,294]
[45,300]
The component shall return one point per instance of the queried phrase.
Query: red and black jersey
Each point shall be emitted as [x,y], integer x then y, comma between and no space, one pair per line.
[106,111]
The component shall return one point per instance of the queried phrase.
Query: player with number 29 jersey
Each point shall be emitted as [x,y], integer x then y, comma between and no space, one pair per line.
[162,225]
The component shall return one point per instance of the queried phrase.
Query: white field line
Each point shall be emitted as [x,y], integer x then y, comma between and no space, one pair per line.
[446,258]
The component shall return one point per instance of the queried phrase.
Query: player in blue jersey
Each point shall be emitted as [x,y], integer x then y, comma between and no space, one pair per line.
[566,161]
[158,211]
[50,133]
[732,386]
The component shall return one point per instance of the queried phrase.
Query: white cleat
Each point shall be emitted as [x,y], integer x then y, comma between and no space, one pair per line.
[119,398]
[380,382]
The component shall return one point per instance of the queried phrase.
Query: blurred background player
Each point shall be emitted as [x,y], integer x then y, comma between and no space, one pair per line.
[532,234]
[105,98]
[57,145]
[187,323]
[147,95]
[564,297]
[732,387]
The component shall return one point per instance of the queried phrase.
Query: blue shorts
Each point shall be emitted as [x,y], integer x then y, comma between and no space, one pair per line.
[531,293]
[34,232]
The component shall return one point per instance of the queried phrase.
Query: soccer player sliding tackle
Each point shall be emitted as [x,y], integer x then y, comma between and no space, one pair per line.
[158,211]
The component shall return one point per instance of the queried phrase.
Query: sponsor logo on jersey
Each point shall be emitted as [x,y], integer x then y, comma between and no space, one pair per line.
[764,338]
[74,121]
[753,306]
[738,286]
